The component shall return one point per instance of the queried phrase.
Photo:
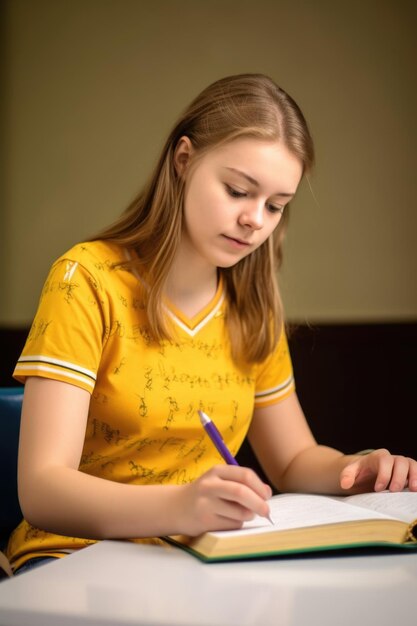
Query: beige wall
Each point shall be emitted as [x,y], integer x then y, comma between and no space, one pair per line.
[92,87]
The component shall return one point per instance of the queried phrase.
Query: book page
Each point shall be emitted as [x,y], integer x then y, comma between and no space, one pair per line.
[401,505]
[300,511]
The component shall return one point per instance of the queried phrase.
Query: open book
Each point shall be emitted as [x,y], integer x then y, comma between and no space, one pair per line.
[305,523]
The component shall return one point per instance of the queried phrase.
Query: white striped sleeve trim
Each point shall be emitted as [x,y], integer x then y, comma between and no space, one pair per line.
[53,370]
[50,365]
[51,361]
[274,393]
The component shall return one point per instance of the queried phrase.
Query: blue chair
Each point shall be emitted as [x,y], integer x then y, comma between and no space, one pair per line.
[10,409]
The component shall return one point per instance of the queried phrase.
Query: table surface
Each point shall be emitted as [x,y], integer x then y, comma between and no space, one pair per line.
[121,583]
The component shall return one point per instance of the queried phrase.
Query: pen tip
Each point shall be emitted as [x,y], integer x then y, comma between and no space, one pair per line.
[203,417]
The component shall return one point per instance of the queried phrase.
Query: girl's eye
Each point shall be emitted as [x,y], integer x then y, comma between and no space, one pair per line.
[235,193]
[273,208]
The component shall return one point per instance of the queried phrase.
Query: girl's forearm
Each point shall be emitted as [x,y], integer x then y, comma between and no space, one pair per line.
[315,470]
[69,502]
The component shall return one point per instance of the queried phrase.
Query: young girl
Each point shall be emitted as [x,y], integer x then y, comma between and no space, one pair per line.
[175,309]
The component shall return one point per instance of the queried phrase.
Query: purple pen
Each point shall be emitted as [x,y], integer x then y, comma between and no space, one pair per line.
[217,439]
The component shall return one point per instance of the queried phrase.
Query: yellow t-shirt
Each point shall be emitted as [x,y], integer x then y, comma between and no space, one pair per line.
[91,330]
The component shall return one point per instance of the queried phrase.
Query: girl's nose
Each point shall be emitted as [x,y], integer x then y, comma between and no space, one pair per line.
[252,216]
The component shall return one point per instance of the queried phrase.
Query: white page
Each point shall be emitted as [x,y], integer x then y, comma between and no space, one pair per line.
[402,505]
[299,511]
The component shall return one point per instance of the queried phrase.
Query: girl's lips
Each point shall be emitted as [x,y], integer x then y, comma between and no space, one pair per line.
[237,242]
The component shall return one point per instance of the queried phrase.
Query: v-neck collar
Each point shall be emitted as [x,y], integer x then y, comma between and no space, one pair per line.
[192,325]
[189,325]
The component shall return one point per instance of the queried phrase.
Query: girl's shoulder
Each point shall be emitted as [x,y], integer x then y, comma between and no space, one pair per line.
[98,253]
[105,264]
[100,262]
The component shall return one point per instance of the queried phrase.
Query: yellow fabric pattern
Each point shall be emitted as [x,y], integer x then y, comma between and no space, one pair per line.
[91,330]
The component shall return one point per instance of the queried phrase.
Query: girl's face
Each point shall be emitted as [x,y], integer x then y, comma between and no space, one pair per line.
[234,197]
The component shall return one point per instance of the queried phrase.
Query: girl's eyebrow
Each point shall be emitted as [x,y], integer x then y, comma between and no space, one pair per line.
[254,182]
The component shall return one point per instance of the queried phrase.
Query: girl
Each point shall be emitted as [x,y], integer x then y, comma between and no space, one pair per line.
[173,309]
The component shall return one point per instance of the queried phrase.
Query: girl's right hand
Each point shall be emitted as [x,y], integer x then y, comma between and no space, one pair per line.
[223,498]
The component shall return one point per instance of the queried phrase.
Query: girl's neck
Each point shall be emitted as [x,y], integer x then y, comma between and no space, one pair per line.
[191,286]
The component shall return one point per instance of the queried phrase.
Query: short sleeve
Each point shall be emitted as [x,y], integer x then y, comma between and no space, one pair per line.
[274,377]
[66,338]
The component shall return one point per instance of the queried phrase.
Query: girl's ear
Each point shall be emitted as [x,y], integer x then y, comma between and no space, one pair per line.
[182,155]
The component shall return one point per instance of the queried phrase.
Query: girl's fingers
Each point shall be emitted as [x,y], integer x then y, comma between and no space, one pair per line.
[242,489]
[244,476]
[230,511]
[385,464]
[412,475]
[400,473]
[404,474]
[226,496]
[390,472]
[377,464]
[349,473]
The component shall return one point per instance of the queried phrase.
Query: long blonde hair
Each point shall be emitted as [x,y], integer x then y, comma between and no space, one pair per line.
[245,105]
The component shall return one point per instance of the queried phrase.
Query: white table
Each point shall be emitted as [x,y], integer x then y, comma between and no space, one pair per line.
[120,583]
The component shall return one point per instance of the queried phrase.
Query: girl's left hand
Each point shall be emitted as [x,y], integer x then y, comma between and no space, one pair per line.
[380,470]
